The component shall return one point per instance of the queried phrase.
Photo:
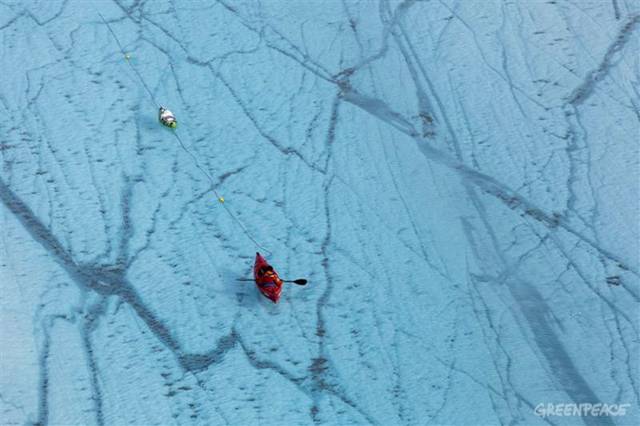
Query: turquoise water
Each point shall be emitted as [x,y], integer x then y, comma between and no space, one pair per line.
[458,182]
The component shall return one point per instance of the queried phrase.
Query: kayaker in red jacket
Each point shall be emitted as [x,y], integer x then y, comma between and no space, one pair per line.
[267,279]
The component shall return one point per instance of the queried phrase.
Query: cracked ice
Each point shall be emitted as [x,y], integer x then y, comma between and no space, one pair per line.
[458,180]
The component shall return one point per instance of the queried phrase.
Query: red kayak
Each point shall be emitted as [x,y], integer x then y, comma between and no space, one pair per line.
[267,280]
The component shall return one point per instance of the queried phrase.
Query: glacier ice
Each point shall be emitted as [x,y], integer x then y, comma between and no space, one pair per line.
[459,181]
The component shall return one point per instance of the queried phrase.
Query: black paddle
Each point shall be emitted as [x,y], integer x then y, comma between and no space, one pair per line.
[299,281]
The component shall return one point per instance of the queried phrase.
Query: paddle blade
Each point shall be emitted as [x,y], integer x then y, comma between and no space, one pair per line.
[300,281]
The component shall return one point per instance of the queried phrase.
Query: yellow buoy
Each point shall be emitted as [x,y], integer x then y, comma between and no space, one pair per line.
[221,199]
[127,56]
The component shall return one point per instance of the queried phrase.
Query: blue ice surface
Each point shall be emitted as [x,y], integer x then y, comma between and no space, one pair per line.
[458,180]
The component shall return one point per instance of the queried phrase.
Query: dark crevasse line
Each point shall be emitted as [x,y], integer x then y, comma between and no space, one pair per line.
[486,183]
[319,385]
[260,364]
[377,108]
[571,380]
[321,365]
[331,132]
[576,153]
[483,313]
[285,150]
[108,282]
[616,9]
[584,91]
[483,55]
[91,318]
[578,150]
[298,56]
[126,228]
[191,362]
[104,282]
[43,363]
[576,131]
[556,355]
[13,20]
[43,380]
[388,25]
[426,111]
[37,230]
[198,362]
[509,395]
[534,309]
[390,20]
[316,369]
[429,116]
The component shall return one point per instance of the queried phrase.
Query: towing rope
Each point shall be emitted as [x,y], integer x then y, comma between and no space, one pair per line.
[220,198]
